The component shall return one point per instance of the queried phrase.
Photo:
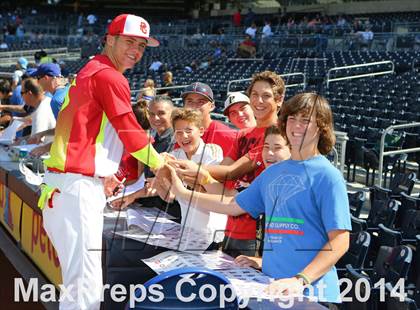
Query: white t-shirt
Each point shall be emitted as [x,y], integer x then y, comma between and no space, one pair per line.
[266,31]
[251,31]
[155,66]
[91,19]
[366,35]
[192,216]
[43,117]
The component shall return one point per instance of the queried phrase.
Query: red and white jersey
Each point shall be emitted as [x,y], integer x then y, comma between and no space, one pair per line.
[95,120]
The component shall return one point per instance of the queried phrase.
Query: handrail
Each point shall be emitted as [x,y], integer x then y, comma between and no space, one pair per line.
[135,91]
[360,75]
[282,75]
[382,153]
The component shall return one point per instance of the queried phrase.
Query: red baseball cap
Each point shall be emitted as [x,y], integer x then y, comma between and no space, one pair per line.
[132,26]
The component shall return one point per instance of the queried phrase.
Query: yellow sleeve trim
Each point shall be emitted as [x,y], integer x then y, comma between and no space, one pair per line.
[149,157]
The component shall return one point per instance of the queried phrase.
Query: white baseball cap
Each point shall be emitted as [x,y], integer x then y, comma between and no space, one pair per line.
[132,26]
[233,98]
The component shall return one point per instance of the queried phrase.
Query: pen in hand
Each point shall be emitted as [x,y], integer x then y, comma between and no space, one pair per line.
[117,188]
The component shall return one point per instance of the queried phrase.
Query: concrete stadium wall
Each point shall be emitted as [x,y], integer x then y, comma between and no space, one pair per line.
[360,7]
[363,7]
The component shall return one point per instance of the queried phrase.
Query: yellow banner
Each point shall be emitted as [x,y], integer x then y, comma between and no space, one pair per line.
[10,209]
[38,246]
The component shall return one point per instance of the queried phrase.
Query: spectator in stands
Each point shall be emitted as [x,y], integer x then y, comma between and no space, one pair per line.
[314,22]
[91,19]
[149,83]
[205,63]
[155,65]
[5,95]
[20,32]
[341,22]
[290,22]
[266,32]
[17,105]
[239,111]
[219,51]
[200,96]
[249,17]
[365,38]
[237,18]
[34,96]
[167,82]
[91,133]
[247,48]
[41,57]
[21,67]
[306,190]
[146,94]
[63,67]
[191,67]
[252,31]
[148,91]
[49,77]
[80,20]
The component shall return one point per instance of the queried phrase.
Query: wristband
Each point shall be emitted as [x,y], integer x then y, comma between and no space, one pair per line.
[304,277]
[207,179]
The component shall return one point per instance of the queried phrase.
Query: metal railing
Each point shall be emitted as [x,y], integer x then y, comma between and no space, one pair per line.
[382,152]
[339,150]
[357,76]
[303,84]
[134,92]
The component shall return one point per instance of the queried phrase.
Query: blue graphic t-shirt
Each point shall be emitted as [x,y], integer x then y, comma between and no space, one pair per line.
[302,202]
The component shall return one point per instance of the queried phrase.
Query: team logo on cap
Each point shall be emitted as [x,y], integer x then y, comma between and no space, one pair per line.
[143,27]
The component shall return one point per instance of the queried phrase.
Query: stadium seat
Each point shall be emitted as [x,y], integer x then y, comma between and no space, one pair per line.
[394,302]
[356,201]
[391,264]
[356,254]
[357,225]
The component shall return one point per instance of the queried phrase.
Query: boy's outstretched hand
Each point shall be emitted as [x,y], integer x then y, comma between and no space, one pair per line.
[174,182]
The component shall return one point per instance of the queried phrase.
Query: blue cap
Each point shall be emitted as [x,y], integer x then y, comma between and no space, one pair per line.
[50,69]
[30,71]
[23,62]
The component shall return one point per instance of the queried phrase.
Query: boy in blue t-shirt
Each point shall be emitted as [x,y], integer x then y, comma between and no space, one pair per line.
[305,203]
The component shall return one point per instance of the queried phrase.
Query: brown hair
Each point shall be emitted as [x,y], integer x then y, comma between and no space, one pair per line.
[142,114]
[192,116]
[275,80]
[307,103]
[33,86]
[273,130]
